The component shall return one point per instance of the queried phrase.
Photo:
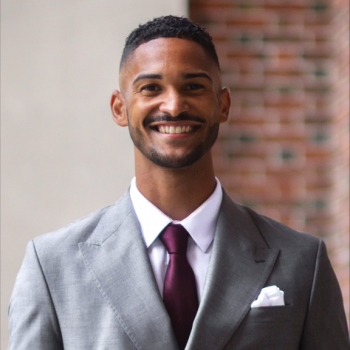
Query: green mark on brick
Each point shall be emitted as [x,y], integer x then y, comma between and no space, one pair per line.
[246,138]
[320,73]
[241,138]
[320,204]
[319,7]
[320,137]
[284,89]
[244,39]
[287,155]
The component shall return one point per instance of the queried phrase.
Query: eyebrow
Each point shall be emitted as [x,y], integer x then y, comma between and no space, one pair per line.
[147,76]
[185,76]
[197,75]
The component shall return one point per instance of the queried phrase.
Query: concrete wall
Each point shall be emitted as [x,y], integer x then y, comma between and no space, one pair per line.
[62,155]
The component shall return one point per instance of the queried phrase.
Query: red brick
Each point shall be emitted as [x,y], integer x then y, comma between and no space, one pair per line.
[287,66]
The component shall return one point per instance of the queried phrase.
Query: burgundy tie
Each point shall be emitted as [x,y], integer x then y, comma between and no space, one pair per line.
[180,292]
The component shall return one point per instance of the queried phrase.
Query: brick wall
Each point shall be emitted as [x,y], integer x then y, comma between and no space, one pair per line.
[285,151]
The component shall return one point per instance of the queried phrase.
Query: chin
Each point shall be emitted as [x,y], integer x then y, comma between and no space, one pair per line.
[174,162]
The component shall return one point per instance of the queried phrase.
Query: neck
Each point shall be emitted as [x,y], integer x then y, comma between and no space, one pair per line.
[176,192]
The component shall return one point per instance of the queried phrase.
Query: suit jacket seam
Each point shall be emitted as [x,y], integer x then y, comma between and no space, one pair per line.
[108,301]
[314,274]
[311,291]
[256,225]
[117,228]
[48,292]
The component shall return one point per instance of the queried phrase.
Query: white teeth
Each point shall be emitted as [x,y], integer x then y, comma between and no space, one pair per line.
[174,130]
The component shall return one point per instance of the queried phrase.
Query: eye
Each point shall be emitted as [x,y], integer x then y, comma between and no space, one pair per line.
[150,88]
[194,87]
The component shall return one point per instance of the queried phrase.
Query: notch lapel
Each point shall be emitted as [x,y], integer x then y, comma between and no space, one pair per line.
[240,265]
[117,258]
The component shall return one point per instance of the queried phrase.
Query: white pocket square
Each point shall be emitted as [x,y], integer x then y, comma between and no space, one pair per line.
[269,296]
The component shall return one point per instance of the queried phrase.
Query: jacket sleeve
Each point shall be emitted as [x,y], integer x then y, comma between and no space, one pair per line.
[33,322]
[325,325]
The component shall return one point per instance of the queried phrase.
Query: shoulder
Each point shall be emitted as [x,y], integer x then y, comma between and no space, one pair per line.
[274,233]
[101,223]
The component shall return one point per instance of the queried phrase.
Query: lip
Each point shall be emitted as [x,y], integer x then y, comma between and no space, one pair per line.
[177,123]
[175,136]
[182,118]
[195,126]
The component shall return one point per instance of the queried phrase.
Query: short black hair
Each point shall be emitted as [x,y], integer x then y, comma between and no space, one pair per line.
[169,27]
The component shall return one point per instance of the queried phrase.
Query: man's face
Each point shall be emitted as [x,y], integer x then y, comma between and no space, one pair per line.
[173,101]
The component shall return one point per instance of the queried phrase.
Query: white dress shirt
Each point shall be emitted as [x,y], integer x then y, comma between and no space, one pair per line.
[200,225]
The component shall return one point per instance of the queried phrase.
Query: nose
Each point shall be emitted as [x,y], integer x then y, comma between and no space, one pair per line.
[173,103]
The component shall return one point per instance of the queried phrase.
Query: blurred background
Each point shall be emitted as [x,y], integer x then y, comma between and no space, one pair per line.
[284,152]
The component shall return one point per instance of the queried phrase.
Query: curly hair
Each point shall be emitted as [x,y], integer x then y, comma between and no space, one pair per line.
[169,27]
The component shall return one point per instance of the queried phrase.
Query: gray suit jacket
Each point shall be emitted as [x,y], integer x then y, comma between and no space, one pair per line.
[90,285]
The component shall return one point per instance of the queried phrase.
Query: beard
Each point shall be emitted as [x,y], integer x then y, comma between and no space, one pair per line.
[174,162]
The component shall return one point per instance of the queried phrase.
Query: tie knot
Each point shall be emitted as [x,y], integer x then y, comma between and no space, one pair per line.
[175,239]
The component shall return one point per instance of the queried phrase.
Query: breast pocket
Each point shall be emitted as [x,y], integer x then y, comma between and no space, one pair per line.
[270,314]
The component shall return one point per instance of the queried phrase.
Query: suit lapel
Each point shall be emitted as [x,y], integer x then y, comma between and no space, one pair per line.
[240,264]
[116,256]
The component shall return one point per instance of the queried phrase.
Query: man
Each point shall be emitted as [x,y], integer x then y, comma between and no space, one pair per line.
[175,262]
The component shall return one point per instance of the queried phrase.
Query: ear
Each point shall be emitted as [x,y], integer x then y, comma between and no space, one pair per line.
[225,104]
[118,107]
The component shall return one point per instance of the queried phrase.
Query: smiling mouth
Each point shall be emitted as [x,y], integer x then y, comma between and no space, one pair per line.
[181,129]
[181,124]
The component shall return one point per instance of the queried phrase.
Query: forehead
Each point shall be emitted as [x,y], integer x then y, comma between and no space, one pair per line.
[168,55]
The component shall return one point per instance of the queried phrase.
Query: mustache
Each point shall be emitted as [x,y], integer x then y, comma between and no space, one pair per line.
[167,118]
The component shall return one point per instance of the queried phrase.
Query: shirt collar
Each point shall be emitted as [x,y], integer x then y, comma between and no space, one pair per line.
[200,224]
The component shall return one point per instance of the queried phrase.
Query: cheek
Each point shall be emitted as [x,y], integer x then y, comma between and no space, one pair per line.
[207,101]
[208,108]
[141,107]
